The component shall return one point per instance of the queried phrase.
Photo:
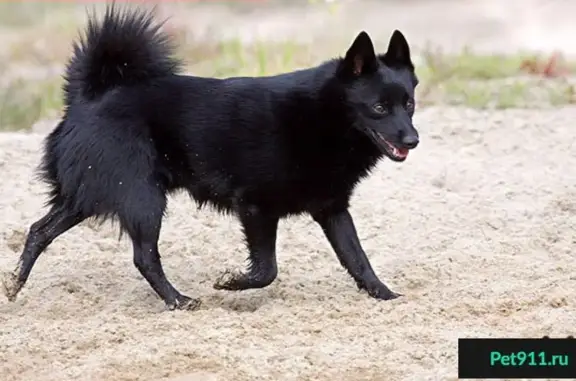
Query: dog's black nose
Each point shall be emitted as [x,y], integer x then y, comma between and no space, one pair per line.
[410,141]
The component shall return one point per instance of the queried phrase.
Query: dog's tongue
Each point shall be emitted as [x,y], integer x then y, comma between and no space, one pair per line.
[403,152]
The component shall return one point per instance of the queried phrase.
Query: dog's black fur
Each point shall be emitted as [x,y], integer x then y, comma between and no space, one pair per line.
[264,148]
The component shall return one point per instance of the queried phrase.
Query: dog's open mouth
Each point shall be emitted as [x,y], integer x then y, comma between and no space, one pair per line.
[393,152]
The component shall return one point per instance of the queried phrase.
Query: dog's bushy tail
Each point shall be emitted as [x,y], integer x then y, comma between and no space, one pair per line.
[124,48]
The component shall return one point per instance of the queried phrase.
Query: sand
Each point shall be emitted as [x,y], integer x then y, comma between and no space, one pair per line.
[476,229]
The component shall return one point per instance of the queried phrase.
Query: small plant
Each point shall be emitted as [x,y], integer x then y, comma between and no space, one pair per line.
[554,67]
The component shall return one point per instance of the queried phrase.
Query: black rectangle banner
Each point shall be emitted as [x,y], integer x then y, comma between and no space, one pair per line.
[517,358]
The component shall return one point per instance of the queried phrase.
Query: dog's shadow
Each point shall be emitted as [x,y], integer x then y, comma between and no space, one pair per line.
[245,301]
[239,303]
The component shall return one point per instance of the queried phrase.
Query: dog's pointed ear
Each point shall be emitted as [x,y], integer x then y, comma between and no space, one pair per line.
[398,54]
[360,57]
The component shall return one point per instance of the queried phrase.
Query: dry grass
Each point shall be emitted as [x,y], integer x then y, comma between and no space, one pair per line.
[36,47]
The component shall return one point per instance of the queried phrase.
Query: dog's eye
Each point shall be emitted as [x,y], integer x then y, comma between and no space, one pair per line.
[409,104]
[378,108]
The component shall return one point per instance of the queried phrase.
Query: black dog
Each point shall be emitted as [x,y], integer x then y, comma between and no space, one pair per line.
[262,148]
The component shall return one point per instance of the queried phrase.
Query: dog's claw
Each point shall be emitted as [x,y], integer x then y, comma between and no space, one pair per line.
[387,296]
[382,292]
[394,295]
[184,303]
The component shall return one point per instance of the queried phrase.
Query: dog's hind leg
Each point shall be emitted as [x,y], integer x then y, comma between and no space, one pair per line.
[260,233]
[141,216]
[42,232]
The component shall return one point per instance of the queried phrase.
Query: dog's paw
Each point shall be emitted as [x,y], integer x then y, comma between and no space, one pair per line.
[184,303]
[381,292]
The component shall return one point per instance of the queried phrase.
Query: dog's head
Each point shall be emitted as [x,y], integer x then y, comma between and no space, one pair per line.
[380,93]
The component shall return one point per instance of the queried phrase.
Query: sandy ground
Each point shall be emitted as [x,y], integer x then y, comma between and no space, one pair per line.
[477,229]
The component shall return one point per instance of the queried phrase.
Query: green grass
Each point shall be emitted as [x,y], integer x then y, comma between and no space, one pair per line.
[23,103]
[465,79]
[490,81]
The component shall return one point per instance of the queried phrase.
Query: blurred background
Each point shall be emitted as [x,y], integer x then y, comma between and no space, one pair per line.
[474,53]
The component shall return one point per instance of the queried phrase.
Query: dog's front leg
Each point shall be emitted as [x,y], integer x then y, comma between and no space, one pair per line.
[260,233]
[338,227]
